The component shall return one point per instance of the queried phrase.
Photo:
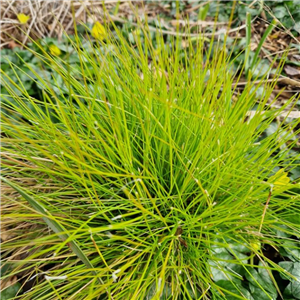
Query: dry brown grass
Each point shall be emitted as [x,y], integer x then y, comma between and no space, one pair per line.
[50,18]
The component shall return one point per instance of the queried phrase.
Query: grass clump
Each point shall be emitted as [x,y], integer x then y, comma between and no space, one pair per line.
[147,179]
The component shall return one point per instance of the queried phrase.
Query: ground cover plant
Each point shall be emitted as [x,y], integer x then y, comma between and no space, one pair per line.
[143,174]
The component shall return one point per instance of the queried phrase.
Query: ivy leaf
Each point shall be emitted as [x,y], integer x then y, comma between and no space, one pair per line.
[280,12]
[235,288]
[222,267]
[152,293]
[292,250]
[10,292]
[297,27]
[258,280]
[293,268]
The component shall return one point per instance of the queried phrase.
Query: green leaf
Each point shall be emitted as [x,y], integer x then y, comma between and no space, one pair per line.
[166,293]
[10,292]
[235,288]
[261,280]
[293,288]
[273,127]
[292,249]
[233,245]
[260,44]
[280,12]
[5,267]
[261,68]
[203,12]
[294,269]
[297,27]
[282,233]
[222,267]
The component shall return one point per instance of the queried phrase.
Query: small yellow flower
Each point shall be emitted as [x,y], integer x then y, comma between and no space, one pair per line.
[23,19]
[280,179]
[255,245]
[54,50]
[98,31]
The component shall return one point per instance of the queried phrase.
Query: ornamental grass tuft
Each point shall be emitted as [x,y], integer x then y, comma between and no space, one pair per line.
[144,173]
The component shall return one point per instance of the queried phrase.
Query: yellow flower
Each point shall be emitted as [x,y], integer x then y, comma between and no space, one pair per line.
[54,50]
[255,245]
[98,31]
[23,19]
[279,180]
